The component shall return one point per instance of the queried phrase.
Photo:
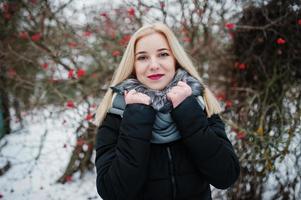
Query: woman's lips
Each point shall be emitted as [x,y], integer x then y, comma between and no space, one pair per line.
[155,76]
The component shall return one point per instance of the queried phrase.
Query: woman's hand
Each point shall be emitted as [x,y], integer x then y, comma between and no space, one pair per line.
[179,93]
[133,96]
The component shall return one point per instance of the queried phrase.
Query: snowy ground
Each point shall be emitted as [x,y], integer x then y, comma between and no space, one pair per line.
[39,154]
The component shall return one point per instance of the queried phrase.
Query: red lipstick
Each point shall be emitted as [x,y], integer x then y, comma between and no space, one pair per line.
[155,76]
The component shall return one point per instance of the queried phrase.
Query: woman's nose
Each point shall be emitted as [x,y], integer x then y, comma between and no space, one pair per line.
[154,64]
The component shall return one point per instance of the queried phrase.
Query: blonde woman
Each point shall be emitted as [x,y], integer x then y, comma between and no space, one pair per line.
[160,136]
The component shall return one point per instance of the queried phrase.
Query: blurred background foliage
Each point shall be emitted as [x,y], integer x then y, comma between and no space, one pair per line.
[248,52]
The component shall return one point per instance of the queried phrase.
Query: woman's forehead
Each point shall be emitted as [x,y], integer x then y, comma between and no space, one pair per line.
[152,42]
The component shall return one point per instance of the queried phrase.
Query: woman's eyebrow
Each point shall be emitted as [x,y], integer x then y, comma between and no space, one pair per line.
[163,49]
[140,52]
[143,52]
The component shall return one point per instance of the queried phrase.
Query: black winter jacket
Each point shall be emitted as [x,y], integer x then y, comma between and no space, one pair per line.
[130,167]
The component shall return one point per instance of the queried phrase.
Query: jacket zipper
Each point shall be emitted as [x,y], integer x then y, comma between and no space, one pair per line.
[173,180]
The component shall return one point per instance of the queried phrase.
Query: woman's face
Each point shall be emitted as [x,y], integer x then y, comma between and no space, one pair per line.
[154,62]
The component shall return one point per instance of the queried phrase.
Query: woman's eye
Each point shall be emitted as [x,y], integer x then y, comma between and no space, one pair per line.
[164,54]
[141,58]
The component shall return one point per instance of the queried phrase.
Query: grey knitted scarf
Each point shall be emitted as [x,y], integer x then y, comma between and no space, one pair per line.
[164,128]
[159,99]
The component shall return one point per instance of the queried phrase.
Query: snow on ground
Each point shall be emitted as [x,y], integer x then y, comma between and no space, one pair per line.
[39,154]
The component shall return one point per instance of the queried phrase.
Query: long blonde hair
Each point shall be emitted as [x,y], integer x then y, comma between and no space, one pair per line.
[126,68]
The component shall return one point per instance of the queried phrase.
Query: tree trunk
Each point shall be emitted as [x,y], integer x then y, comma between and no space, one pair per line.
[4,102]
[81,155]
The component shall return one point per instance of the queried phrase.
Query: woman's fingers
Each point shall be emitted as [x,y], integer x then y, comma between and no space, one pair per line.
[136,97]
[178,93]
[181,83]
[132,92]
